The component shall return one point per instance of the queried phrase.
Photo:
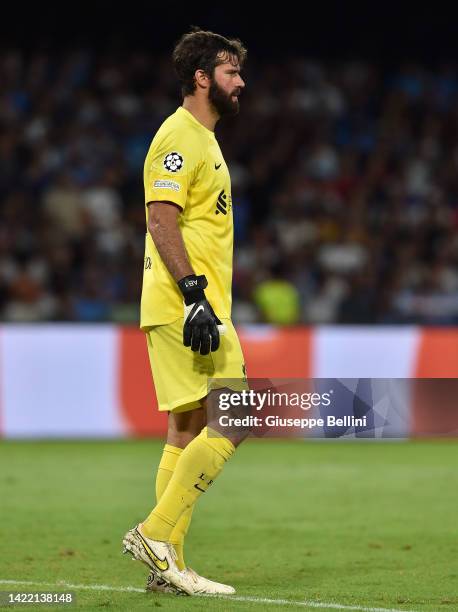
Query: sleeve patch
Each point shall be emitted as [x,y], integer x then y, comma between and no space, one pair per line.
[173,162]
[167,185]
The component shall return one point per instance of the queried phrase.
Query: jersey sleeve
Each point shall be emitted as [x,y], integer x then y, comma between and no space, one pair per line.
[170,168]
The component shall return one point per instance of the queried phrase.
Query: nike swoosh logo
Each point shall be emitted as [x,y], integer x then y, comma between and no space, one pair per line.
[197,312]
[216,167]
[161,564]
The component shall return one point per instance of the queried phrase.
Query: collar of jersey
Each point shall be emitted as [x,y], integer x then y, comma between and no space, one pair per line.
[191,117]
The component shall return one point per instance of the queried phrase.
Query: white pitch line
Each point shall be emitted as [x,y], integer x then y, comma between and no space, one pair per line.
[307,604]
[260,600]
[81,587]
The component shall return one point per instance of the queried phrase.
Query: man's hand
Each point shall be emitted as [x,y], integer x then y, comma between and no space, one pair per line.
[202,327]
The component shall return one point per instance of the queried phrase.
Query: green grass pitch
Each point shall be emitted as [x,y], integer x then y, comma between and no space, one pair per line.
[356,524]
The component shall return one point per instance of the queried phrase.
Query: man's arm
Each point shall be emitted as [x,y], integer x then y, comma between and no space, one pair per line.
[202,327]
[166,235]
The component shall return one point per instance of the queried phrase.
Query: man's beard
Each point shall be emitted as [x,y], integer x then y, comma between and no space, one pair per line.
[221,101]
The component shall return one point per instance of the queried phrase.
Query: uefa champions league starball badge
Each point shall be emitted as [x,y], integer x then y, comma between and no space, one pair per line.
[173,162]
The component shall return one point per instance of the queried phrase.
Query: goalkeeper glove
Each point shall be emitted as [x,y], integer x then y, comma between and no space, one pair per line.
[202,327]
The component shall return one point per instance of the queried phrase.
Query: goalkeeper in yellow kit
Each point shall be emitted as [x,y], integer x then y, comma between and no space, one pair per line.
[186,300]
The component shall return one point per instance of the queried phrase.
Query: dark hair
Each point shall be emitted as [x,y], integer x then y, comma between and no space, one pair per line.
[199,50]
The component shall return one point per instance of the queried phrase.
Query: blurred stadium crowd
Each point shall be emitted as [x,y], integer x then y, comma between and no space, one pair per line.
[345,188]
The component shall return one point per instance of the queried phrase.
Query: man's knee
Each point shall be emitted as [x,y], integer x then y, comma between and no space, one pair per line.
[236,433]
[185,426]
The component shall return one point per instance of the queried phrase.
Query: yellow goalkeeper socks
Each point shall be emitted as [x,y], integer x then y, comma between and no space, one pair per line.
[170,456]
[197,467]
[178,535]
[165,470]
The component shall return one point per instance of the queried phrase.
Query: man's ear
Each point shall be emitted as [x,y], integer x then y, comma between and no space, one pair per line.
[202,79]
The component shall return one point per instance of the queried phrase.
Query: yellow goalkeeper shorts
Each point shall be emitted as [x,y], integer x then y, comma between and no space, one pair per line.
[181,376]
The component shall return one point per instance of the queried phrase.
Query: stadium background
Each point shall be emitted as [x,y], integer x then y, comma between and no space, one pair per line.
[344,165]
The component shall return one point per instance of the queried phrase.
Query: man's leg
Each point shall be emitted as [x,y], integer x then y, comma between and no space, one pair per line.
[200,461]
[182,428]
[198,465]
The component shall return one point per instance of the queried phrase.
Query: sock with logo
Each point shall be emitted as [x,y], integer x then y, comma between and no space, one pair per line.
[195,470]
[165,470]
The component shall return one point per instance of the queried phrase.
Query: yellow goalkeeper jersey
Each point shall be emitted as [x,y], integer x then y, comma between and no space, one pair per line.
[184,165]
